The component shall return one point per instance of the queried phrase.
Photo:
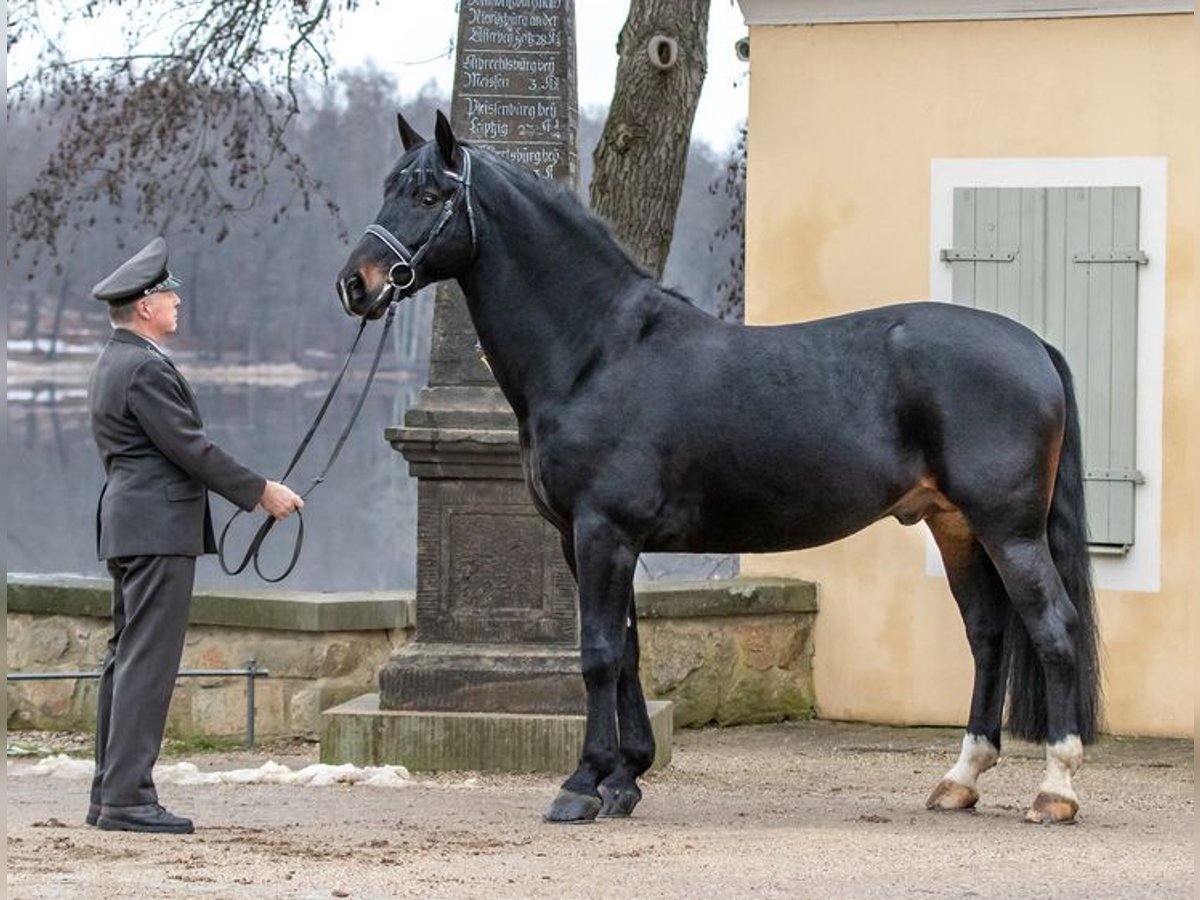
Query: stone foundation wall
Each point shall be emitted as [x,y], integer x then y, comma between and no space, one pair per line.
[729,652]
[726,652]
[319,650]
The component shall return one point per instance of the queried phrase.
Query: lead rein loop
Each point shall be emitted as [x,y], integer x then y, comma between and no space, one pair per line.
[252,551]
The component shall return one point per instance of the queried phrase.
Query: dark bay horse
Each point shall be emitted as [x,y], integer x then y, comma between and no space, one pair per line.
[647,425]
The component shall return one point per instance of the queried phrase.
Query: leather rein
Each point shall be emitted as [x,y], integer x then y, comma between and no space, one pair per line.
[251,555]
[400,278]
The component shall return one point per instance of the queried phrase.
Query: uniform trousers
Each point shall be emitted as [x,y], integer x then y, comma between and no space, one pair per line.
[150,602]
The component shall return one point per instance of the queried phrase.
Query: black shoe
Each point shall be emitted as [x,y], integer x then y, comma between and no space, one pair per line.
[150,818]
[93,815]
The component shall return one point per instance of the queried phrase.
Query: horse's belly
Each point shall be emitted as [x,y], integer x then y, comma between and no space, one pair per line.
[766,525]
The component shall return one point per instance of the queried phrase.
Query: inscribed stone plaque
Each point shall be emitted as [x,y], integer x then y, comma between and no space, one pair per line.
[489,568]
[514,94]
[482,539]
[514,87]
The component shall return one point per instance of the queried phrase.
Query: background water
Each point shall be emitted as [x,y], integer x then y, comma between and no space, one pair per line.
[360,525]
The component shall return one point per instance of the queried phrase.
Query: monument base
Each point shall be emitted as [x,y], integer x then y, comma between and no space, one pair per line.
[525,679]
[361,733]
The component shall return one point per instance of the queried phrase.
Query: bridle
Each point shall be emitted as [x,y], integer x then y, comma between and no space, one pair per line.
[403,273]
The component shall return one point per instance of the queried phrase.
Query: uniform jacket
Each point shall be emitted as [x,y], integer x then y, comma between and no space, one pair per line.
[158,462]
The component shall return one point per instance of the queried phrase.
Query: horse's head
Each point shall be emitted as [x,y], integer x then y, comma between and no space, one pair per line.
[425,230]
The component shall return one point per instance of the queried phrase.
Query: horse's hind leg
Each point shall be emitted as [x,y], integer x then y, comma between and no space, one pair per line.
[984,606]
[1038,594]
[619,790]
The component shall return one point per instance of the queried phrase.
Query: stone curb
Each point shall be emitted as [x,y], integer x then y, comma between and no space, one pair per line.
[735,597]
[72,595]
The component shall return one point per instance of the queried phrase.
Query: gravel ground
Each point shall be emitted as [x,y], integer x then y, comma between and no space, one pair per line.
[796,810]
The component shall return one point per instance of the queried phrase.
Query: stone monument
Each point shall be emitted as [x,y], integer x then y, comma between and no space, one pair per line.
[492,678]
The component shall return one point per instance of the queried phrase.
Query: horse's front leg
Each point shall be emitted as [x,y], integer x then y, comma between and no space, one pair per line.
[604,564]
[620,790]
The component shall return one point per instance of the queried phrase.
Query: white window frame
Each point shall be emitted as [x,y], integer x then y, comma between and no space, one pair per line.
[1140,568]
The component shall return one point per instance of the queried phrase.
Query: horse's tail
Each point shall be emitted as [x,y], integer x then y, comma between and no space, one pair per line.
[1066,531]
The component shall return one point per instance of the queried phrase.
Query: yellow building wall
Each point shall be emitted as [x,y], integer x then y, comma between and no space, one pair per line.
[844,123]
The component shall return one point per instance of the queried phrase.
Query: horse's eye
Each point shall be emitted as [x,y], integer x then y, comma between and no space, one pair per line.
[429,199]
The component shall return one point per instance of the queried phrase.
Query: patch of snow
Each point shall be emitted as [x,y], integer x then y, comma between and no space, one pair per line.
[270,772]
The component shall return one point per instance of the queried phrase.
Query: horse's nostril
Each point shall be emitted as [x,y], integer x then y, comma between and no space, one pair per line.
[351,288]
[351,292]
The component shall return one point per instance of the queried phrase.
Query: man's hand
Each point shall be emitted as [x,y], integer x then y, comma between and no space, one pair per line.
[279,500]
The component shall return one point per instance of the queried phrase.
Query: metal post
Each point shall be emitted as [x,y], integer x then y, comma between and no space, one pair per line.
[251,666]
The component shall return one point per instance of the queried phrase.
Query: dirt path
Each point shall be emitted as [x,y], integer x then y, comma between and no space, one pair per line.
[796,810]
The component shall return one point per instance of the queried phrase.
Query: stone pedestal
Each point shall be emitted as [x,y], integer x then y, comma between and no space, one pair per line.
[497,628]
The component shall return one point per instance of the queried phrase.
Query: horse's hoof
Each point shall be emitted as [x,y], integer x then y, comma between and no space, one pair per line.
[950,795]
[1052,809]
[618,802]
[569,806]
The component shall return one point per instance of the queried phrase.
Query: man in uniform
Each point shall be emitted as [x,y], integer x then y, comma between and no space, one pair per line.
[152,522]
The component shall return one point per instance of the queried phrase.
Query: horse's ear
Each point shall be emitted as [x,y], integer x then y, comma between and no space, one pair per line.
[408,135]
[446,141]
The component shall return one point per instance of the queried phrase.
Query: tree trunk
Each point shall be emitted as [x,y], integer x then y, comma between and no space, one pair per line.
[31,318]
[640,160]
[60,306]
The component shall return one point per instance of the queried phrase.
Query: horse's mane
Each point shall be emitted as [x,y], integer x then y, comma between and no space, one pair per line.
[556,194]
[422,168]
[559,195]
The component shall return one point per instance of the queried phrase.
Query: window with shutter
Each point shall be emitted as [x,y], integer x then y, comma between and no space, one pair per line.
[1063,261]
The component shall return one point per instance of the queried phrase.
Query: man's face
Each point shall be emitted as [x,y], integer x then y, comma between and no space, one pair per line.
[162,313]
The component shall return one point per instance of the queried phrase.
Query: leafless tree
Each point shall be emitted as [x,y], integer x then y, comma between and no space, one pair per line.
[191,118]
[188,118]
[731,288]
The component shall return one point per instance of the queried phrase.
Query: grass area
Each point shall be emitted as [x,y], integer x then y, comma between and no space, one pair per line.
[80,744]
[48,743]
[201,743]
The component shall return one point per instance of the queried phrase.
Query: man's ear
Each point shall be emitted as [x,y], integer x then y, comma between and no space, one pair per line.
[446,141]
[408,135]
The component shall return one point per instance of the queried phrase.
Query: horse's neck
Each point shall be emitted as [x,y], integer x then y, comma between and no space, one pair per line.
[544,293]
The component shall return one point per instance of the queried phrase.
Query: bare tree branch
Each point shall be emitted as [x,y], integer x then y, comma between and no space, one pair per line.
[191,121]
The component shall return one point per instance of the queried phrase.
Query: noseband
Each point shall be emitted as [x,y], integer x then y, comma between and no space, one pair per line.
[403,273]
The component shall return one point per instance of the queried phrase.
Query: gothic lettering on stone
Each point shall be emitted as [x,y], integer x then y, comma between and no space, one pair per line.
[514,82]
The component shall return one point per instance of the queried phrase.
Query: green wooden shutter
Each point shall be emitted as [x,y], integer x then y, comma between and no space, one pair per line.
[1064,262]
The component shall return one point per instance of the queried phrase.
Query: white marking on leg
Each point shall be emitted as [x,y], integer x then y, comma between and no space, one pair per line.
[1063,760]
[977,756]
